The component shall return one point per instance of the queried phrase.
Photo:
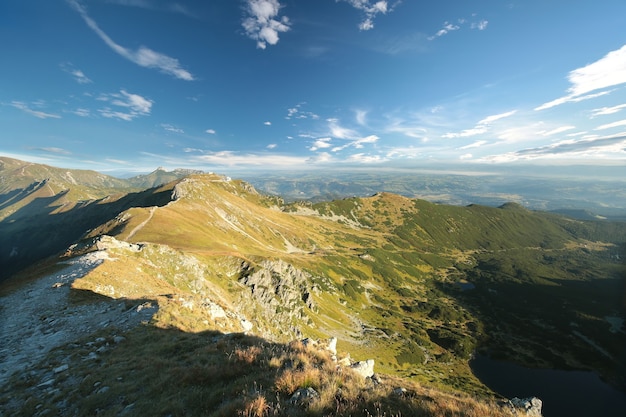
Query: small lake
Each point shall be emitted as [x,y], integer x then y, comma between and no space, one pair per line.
[564,393]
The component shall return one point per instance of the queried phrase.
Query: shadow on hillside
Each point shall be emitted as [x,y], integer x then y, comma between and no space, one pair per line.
[34,231]
[149,370]
[554,323]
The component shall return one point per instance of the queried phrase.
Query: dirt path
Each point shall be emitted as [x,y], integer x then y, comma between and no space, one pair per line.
[141,225]
[39,317]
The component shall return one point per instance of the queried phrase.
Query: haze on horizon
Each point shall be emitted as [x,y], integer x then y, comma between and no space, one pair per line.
[123,86]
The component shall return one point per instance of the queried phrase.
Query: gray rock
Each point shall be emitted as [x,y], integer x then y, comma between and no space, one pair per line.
[364,368]
[531,405]
[304,396]
[61,368]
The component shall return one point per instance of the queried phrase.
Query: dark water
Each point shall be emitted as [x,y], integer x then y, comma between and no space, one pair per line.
[564,393]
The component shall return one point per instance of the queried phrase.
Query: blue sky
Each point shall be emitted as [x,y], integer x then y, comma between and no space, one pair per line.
[130,85]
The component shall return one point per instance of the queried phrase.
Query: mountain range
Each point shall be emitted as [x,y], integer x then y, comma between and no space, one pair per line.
[418,286]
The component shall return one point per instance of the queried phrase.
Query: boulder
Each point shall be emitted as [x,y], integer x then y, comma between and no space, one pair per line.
[364,368]
[531,405]
[304,396]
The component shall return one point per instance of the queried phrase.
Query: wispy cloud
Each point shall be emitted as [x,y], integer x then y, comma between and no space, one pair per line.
[556,130]
[480,25]
[211,131]
[611,125]
[172,128]
[262,23]
[608,71]
[144,57]
[481,127]
[296,112]
[476,144]
[365,159]
[37,113]
[340,132]
[78,75]
[134,105]
[609,147]
[234,158]
[358,143]
[447,28]
[451,27]
[370,10]
[82,112]
[607,110]
[267,123]
[57,151]
[272,146]
[151,5]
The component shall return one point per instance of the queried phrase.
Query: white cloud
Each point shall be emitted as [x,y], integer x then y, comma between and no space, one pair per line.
[262,23]
[361,117]
[171,128]
[211,131]
[267,123]
[490,119]
[144,57]
[58,151]
[481,127]
[321,143]
[607,110]
[365,159]
[481,25]
[476,144]
[37,113]
[447,28]
[370,9]
[466,156]
[149,5]
[478,130]
[233,158]
[340,132]
[358,143]
[78,75]
[134,104]
[611,125]
[556,130]
[271,146]
[320,157]
[608,71]
[81,112]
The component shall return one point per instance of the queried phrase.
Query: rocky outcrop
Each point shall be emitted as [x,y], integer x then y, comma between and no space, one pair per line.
[282,293]
[530,406]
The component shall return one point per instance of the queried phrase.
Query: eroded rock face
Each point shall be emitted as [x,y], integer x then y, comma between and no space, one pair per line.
[280,290]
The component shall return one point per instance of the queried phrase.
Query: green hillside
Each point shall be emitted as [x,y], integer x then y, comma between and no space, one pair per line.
[415,285]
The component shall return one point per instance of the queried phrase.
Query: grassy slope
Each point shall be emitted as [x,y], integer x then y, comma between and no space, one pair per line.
[386,269]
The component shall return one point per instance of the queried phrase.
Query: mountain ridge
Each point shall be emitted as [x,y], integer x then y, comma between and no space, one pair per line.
[382,274]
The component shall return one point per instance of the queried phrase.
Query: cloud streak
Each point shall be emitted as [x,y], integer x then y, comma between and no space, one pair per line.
[481,127]
[144,57]
[37,113]
[607,146]
[262,23]
[608,71]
